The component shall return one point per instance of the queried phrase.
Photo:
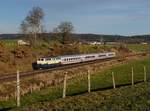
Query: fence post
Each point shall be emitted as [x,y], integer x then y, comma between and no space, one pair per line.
[144,74]
[113,79]
[18,89]
[132,76]
[89,82]
[65,83]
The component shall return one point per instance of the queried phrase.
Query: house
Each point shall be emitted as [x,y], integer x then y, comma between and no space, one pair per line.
[144,43]
[95,43]
[22,42]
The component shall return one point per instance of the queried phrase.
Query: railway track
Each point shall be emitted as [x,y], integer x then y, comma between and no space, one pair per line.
[10,77]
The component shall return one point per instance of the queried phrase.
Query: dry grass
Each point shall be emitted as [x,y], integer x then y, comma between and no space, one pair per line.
[37,82]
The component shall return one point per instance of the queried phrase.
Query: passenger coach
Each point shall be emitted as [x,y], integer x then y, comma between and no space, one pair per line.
[49,62]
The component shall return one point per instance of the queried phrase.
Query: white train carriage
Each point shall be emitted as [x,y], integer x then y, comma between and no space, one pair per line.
[49,62]
[70,59]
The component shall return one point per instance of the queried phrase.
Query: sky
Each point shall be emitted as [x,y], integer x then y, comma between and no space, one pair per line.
[117,17]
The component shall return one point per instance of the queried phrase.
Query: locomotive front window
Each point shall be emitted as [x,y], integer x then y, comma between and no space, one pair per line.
[41,59]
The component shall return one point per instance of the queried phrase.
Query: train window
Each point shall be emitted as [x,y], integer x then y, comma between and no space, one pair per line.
[75,58]
[71,59]
[101,55]
[54,59]
[89,56]
[41,59]
[110,54]
[57,58]
[48,59]
[65,59]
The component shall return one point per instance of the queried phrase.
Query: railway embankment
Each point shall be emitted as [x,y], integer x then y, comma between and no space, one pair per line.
[54,78]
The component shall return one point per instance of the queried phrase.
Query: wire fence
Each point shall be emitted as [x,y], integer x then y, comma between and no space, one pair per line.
[80,84]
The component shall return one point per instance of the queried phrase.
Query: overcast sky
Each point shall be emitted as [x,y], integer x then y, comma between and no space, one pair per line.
[124,17]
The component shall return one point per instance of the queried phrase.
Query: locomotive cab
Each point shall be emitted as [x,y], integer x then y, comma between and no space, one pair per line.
[48,62]
[41,63]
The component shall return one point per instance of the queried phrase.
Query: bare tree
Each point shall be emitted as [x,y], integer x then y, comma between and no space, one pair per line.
[33,22]
[65,43]
[65,29]
[24,27]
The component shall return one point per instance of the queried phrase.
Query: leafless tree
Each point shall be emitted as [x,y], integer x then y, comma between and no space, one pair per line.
[66,44]
[33,22]
[24,27]
[64,29]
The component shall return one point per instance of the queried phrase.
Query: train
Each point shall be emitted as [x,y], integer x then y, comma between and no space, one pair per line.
[50,62]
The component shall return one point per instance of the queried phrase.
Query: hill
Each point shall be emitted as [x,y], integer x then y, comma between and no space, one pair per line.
[91,37]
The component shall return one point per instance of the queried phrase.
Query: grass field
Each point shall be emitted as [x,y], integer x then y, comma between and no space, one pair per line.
[99,81]
[132,47]
[94,48]
[128,98]
[139,47]
[9,43]
[87,48]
